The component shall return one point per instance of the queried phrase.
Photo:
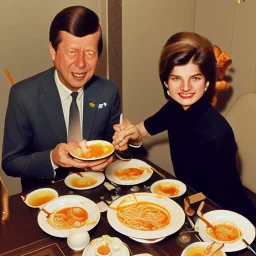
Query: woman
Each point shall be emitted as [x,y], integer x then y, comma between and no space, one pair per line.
[202,143]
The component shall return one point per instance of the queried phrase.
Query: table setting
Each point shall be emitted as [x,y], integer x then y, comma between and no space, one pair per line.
[132,208]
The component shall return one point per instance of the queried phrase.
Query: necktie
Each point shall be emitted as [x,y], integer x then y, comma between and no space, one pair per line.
[74,129]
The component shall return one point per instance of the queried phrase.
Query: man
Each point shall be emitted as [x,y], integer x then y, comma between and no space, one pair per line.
[38,126]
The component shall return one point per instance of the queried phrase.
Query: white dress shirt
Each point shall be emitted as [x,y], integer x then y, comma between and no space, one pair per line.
[66,99]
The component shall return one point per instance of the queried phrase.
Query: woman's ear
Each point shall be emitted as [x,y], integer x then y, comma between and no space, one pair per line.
[206,85]
[52,51]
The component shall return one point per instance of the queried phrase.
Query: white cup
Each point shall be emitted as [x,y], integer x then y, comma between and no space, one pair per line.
[78,239]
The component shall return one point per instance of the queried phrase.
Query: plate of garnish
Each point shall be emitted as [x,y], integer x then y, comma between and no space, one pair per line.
[66,212]
[105,246]
[228,228]
[145,216]
[40,197]
[130,172]
[168,187]
[84,180]
[92,150]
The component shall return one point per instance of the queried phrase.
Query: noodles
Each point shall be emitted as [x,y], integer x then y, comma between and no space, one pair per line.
[127,174]
[224,231]
[144,216]
[66,218]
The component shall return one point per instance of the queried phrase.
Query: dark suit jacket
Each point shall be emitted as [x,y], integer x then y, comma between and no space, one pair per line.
[35,123]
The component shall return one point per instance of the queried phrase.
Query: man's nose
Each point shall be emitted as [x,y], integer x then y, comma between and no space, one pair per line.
[80,61]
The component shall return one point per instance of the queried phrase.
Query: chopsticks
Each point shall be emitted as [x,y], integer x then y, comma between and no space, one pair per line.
[249,247]
[156,171]
[9,76]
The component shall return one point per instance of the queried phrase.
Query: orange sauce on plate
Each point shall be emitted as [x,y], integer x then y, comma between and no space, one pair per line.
[103,250]
[168,189]
[83,182]
[131,173]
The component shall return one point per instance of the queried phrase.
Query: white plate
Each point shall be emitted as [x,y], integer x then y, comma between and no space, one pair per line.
[69,201]
[99,176]
[90,249]
[42,195]
[201,244]
[247,228]
[135,163]
[181,185]
[145,241]
[91,142]
[174,210]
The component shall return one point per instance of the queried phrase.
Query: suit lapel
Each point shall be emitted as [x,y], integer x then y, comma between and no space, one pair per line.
[50,99]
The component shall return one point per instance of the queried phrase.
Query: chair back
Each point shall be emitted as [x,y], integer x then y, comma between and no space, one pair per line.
[242,118]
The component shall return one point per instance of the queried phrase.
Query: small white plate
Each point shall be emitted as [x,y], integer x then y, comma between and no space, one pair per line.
[90,249]
[247,228]
[147,241]
[200,244]
[180,185]
[69,201]
[134,163]
[103,143]
[40,197]
[99,176]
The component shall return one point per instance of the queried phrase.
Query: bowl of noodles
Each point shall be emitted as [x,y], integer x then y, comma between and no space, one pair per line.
[145,215]
[95,150]
[229,228]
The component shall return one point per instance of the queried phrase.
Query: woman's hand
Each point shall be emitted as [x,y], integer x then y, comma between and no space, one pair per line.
[124,133]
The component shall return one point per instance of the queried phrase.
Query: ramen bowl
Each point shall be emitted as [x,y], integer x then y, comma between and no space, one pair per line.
[40,197]
[197,249]
[168,187]
[97,149]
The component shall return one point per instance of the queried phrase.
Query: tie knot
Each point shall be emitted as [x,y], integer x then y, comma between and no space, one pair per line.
[74,95]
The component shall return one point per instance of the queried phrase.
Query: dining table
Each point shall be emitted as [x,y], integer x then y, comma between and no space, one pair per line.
[21,234]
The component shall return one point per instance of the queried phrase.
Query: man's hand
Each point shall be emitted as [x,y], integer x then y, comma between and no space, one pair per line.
[60,157]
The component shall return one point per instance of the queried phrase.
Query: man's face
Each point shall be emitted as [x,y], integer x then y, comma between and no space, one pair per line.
[75,59]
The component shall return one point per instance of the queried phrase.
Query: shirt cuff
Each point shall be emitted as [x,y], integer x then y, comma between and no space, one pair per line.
[53,165]
[135,146]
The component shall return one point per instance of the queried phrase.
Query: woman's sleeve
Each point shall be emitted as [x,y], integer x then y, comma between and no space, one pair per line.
[159,121]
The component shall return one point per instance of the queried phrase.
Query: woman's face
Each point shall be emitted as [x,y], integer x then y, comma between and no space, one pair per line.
[186,84]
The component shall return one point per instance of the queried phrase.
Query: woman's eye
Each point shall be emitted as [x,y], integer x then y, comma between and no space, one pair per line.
[174,78]
[89,54]
[196,78]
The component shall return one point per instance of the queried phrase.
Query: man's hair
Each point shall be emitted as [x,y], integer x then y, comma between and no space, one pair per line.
[78,21]
[183,47]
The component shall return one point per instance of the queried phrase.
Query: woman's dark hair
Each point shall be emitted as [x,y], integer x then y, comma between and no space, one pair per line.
[183,47]
[78,21]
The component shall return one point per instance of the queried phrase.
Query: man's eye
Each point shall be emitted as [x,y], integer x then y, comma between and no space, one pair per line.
[72,52]
[89,54]
[196,78]
[173,78]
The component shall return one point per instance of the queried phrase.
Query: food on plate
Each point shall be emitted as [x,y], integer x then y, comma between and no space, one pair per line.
[132,173]
[94,150]
[103,250]
[68,217]
[224,231]
[144,216]
[41,197]
[168,189]
[83,182]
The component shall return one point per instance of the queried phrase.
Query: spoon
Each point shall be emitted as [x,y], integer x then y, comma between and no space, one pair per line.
[125,155]
[201,217]
[208,249]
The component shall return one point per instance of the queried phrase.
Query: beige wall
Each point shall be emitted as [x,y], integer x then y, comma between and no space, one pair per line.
[147,24]
[24,30]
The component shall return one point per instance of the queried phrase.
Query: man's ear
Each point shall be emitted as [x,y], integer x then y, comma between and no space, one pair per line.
[52,51]
[166,85]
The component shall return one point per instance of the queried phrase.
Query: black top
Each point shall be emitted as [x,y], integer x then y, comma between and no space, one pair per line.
[203,151]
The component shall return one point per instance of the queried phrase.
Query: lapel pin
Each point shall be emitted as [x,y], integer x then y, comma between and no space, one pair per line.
[91,104]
